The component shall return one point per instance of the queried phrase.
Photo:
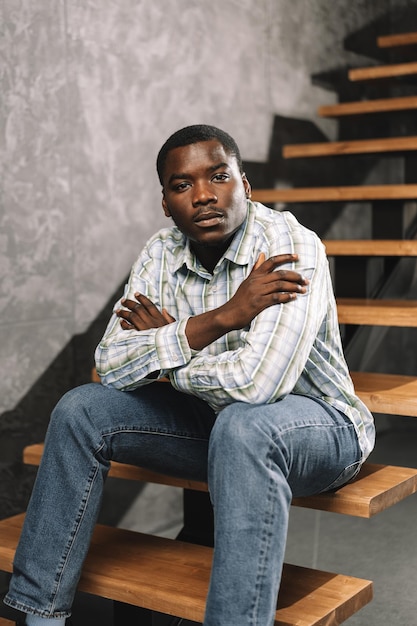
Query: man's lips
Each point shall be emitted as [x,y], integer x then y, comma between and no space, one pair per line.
[207,219]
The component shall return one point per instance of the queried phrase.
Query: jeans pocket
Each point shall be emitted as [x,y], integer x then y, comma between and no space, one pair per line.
[349,473]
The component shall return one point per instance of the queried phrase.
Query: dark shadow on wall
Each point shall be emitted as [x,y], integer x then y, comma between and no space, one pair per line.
[27,423]
[313,172]
[399,20]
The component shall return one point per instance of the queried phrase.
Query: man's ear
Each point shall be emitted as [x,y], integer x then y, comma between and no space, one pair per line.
[165,206]
[247,186]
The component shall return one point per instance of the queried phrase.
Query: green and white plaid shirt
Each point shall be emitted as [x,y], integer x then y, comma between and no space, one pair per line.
[288,348]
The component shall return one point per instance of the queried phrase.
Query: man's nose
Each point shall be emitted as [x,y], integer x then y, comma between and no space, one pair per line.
[203,194]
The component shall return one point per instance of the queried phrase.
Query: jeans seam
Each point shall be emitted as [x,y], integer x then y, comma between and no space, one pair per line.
[150,431]
[266,537]
[74,533]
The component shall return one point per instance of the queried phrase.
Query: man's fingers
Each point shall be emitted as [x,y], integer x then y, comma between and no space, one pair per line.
[144,301]
[142,314]
[260,260]
[290,276]
[167,316]
[269,265]
[281,279]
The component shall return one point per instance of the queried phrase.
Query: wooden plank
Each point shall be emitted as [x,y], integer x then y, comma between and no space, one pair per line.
[400,313]
[364,497]
[387,393]
[6,622]
[371,247]
[383,71]
[172,577]
[336,194]
[376,488]
[363,107]
[32,456]
[400,39]
[359,146]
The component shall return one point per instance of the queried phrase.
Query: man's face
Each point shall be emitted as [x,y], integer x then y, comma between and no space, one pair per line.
[205,194]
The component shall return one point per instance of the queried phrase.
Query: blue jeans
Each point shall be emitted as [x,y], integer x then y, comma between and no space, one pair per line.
[255,458]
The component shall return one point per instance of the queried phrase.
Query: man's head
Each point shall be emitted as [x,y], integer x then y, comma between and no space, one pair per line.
[204,189]
[195,134]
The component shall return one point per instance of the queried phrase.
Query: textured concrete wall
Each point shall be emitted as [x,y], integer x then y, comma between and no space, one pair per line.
[89,90]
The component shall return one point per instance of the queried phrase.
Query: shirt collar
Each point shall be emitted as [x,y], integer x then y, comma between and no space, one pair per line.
[240,250]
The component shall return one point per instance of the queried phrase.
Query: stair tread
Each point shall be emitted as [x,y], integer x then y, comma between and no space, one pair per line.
[399,39]
[360,107]
[376,487]
[392,394]
[172,577]
[371,247]
[358,146]
[377,312]
[383,71]
[336,194]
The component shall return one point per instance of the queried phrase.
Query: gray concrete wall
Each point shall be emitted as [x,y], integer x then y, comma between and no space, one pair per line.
[89,89]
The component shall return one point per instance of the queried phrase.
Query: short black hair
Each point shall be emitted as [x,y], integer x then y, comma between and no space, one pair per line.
[195,134]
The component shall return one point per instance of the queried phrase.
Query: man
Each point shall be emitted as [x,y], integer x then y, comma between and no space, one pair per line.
[260,402]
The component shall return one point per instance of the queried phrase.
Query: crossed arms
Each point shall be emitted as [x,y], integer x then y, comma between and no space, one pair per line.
[246,349]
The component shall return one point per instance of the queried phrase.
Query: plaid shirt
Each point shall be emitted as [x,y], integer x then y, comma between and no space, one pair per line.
[288,348]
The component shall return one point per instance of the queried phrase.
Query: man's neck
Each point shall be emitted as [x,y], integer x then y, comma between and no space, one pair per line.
[209,256]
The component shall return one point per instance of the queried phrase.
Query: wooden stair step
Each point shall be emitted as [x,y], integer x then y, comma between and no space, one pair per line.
[362,107]
[172,577]
[336,194]
[358,146]
[392,394]
[372,312]
[371,247]
[383,71]
[400,39]
[32,455]
[376,487]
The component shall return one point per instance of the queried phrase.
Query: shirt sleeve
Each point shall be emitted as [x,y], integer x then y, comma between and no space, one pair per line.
[275,349]
[126,358]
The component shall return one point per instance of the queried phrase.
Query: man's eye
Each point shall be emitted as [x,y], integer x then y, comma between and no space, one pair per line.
[218,177]
[181,186]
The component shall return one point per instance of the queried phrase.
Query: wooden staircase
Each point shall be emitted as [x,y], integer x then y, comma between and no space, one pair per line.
[358,146]
[173,575]
[383,393]
[337,194]
[364,107]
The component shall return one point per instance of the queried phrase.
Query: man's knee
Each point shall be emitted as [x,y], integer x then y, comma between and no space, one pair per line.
[72,409]
[238,428]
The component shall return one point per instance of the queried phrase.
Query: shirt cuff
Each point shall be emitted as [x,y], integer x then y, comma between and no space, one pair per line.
[172,345]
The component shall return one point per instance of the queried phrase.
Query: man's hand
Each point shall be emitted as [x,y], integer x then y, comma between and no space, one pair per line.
[264,287]
[142,314]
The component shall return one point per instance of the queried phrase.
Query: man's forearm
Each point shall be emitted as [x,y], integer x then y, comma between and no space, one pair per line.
[201,330]
[264,287]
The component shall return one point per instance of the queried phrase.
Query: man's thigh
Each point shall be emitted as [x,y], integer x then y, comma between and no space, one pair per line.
[316,444]
[154,426]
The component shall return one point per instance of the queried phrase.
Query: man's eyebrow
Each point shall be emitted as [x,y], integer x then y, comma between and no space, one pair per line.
[213,168]
[185,175]
[177,177]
